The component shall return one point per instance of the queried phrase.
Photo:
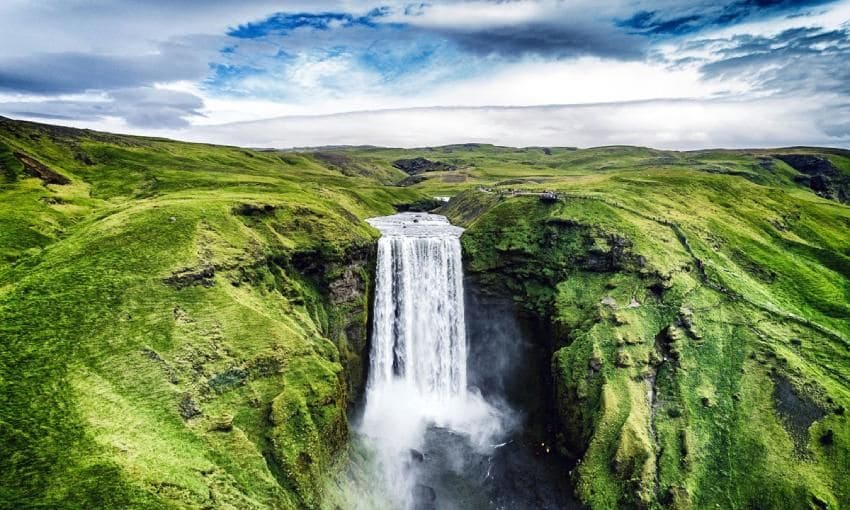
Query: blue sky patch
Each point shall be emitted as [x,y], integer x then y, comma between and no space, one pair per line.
[283,23]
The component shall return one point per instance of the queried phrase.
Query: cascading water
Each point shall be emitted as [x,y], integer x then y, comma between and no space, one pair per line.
[418,371]
[419,332]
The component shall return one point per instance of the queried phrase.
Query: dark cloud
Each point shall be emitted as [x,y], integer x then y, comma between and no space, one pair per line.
[570,33]
[556,39]
[796,61]
[139,107]
[693,17]
[63,73]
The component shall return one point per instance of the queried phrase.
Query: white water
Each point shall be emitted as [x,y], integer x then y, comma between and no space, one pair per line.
[418,370]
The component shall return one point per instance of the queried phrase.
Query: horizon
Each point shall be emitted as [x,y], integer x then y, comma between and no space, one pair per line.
[312,148]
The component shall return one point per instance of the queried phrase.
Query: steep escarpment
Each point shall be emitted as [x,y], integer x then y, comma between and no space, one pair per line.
[820,174]
[691,366]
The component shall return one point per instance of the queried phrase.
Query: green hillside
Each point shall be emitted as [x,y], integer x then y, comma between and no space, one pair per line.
[184,325]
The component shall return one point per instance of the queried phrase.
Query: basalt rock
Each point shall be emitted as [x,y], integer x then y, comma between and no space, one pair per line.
[425,497]
[820,175]
[421,165]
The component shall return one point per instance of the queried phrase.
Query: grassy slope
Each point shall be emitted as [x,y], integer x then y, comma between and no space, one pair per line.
[743,283]
[741,275]
[98,353]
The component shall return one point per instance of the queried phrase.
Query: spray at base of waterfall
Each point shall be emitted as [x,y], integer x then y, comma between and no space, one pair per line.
[397,418]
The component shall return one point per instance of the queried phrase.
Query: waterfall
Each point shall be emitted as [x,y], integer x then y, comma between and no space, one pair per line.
[418,359]
[419,334]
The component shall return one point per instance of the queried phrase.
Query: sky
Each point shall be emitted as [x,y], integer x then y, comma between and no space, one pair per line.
[261,73]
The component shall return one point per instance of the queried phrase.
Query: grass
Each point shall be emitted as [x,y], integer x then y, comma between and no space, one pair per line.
[672,402]
[184,325]
[99,352]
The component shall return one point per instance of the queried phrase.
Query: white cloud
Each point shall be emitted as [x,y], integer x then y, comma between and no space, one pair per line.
[586,80]
[664,124]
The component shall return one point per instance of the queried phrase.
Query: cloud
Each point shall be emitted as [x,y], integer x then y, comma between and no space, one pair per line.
[521,28]
[142,65]
[796,61]
[285,23]
[63,73]
[687,18]
[682,124]
[125,26]
[558,40]
[144,107]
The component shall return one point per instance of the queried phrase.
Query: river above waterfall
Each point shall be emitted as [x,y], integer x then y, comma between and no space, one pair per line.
[448,374]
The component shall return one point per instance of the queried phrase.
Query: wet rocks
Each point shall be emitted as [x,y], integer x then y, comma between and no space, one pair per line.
[425,497]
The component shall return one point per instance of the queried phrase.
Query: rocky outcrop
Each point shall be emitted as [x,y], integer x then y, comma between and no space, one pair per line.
[254,209]
[820,175]
[37,169]
[203,276]
[421,165]
[345,281]
[349,294]
[411,181]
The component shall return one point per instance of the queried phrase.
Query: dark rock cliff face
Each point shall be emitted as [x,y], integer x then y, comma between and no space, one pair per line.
[820,175]
[346,283]
[421,165]
[350,297]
